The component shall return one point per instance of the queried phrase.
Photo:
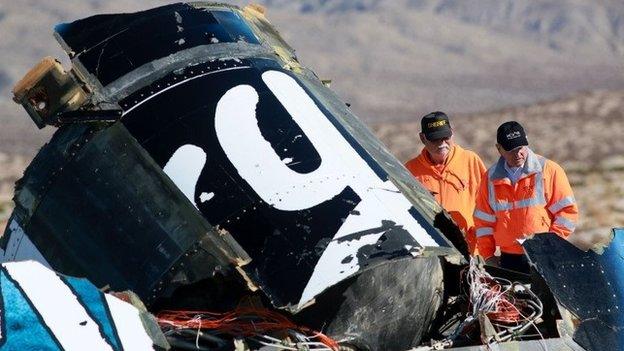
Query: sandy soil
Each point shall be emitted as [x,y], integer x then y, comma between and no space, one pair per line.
[584,133]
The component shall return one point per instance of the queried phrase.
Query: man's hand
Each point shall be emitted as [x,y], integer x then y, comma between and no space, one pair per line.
[493,261]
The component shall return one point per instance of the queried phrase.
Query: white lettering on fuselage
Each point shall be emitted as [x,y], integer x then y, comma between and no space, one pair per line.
[239,134]
[184,168]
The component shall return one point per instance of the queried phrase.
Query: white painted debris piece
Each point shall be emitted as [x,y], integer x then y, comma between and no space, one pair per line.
[46,311]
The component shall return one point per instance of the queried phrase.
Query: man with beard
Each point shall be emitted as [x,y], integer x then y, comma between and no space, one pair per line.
[522,194]
[451,173]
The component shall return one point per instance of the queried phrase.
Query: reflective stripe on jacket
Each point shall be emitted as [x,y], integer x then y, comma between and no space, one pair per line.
[454,187]
[540,201]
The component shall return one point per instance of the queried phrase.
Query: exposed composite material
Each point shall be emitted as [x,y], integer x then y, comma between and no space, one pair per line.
[193,146]
[197,163]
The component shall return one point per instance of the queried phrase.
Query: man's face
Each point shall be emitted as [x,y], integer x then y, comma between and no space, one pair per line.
[439,148]
[515,157]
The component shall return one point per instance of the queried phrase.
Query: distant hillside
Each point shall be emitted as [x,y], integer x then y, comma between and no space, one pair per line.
[395,58]
[563,25]
[391,59]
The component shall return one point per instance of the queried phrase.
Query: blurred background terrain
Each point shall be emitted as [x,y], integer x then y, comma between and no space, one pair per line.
[557,66]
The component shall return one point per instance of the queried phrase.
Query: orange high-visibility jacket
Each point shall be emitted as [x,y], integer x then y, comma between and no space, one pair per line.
[540,201]
[454,187]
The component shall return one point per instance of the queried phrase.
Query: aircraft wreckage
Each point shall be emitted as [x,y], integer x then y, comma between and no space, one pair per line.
[215,194]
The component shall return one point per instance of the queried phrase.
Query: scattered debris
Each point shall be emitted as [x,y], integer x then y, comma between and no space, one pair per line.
[315,222]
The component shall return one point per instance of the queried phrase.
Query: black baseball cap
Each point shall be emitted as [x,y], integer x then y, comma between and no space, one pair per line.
[436,126]
[511,135]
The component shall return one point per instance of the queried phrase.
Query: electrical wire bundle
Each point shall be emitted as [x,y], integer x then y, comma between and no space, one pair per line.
[255,324]
[512,308]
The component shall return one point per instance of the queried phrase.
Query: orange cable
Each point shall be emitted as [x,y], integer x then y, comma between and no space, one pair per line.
[245,321]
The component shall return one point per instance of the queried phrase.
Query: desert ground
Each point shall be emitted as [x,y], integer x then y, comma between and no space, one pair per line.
[584,133]
[394,60]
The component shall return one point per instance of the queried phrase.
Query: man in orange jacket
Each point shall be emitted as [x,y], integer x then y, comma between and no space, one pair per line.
[522,194]
[449,172]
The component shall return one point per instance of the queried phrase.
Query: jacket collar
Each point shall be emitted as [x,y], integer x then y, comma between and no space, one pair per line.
[531,166]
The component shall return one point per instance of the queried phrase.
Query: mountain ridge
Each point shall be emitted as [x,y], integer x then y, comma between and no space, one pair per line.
[391,60]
